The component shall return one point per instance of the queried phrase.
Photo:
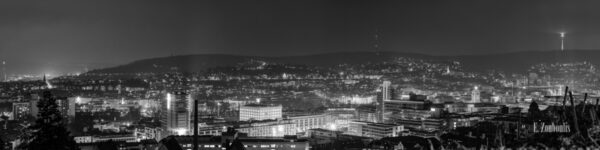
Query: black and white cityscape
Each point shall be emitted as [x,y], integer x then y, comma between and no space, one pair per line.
[299,75]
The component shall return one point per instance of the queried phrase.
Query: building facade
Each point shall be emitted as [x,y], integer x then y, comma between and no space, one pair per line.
[304,123]
[374,130]
[176,114]
[21,110]
[260,112]
[218,142]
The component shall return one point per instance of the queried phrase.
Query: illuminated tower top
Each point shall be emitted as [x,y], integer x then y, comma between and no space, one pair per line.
[4,78]
[562,41]
[376,44]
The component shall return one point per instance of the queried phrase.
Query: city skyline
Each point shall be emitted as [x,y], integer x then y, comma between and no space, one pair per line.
[299,75]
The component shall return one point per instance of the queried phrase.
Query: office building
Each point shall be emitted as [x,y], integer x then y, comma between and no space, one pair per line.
[304,123]
[176,114]
[260,112]
[475,95]
[374,130]
[148,133]
[66,107]
[386,93]
[411,109]
[367,113]
[268,128]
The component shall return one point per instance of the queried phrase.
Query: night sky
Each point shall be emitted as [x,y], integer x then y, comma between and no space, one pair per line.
[58,35]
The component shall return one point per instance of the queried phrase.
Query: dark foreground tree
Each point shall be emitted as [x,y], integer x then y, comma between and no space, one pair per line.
[1,144]
[48,132]
[534,111]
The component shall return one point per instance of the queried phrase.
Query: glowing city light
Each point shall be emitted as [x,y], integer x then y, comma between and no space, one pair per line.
[78,100]
[562,34]
[48,85]
[332,127]
[274,131]
[181,131]
[122,101]
[257,100]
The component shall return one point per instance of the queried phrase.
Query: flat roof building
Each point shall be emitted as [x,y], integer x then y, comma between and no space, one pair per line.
[260,112]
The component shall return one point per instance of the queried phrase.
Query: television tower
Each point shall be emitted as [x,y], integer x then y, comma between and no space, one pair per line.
[562,41]
[4,78]
[376,44]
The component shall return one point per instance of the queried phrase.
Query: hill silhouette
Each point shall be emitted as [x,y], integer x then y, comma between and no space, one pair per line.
[516,62]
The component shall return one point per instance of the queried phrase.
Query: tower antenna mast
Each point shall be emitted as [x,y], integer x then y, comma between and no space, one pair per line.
[4,78]
[376,43]
[562,41]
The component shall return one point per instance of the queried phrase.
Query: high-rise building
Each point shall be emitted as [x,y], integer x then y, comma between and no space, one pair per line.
[260,112]
[387,93]
[66,107]
[475,95]
[176,114]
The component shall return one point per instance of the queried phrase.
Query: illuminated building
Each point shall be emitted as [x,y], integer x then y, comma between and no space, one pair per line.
[386,94]
[304,123]
[472,108]
[428,124]
[323,134]
[66,106]
[148,133]
[121,145]
[456,121]
[175,114]
[217,142]
[204,129]
[411,109]
[367,114]
[130,138]
[374,130]
[476,95]
[263,128]
[342,117]
[415,108]
[260,112]
[278,128]
[21,110]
